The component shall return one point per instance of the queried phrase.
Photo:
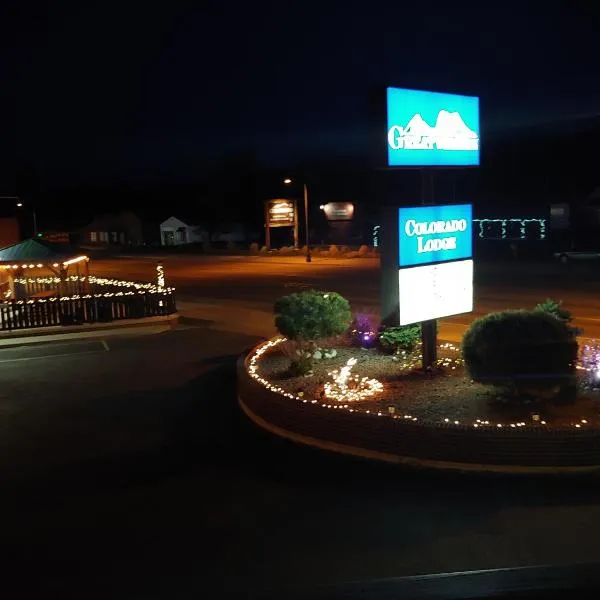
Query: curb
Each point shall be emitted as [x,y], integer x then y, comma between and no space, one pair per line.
[410,461]
[433,447]
[57,333]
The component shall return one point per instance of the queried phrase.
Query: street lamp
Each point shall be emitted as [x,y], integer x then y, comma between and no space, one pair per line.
[308,255]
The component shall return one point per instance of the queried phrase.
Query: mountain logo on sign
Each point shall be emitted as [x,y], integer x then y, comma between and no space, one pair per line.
[449,133]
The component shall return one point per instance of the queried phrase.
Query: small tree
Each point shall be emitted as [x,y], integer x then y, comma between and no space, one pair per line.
[305,317]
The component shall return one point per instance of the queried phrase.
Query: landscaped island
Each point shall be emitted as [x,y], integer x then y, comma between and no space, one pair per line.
[516,373]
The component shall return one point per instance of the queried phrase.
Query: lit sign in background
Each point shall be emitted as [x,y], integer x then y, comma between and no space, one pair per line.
[435,277]
[429,234]
[338,211]
[281,213]
[432,129]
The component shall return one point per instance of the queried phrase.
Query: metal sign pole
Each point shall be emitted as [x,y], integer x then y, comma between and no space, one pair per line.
[428,328]
[267,227]
[296,240]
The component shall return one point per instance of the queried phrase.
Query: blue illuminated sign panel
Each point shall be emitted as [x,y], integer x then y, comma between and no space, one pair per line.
[432,129]
[433,234]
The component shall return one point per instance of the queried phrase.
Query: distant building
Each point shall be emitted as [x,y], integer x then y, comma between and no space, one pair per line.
[175,232]
[114,229]
[9,231]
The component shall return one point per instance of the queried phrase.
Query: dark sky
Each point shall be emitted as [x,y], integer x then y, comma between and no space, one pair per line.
[103,90]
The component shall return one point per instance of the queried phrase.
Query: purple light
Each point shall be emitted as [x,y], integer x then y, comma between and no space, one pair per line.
[366,337]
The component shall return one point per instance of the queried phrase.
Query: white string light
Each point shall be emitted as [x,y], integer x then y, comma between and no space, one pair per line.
[346,387]
[140,288]
[477,424]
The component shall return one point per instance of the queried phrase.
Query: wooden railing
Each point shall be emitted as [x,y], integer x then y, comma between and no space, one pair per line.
[96,308]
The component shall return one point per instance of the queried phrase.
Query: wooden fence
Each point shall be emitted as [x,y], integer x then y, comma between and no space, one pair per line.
[24,314]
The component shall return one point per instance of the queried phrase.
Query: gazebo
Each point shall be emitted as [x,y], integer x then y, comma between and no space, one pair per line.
[44,284]
[37,269]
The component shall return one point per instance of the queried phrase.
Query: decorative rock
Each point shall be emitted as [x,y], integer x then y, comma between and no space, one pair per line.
[317,355]
[332,353]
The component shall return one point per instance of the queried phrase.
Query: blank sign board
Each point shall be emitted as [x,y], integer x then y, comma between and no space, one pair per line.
[435,291]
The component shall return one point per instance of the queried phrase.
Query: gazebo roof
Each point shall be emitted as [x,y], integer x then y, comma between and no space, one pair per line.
[39,251]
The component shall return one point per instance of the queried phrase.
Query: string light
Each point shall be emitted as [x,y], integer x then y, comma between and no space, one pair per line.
[132,288]
[478,424]
[72,261]
[160,275]
[346,387]
[504,224]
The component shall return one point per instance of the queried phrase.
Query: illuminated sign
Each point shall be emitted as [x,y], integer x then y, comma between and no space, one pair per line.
[435,249]
[338,211]
[429,234]
[432,129]
[281,213]
[435,291]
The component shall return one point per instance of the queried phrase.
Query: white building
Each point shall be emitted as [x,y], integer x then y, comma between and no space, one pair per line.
[174,232]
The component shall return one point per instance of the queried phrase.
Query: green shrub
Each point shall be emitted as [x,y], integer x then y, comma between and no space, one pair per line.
[305,317]
[521,350]
[394,339]
[312,315]
[300,366]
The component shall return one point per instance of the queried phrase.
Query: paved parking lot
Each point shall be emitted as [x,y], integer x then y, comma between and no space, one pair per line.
[128,471]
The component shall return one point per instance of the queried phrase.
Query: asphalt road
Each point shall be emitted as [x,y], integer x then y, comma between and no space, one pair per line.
[128,471]
[216,285]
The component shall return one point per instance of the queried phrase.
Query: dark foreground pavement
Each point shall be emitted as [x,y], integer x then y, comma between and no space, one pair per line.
[131,473]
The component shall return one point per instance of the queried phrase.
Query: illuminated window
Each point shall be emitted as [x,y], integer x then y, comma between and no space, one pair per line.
[93,236]
[104,236]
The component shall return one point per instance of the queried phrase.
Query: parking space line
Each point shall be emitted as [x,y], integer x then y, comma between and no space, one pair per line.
[24,358]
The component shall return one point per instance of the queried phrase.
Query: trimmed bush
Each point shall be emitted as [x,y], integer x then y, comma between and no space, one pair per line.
[394,339]
[363,250]
[305,317]
[312,315]
[253,249]
[523,350]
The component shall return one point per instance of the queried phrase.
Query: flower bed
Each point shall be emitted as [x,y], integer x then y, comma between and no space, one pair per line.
[444,397]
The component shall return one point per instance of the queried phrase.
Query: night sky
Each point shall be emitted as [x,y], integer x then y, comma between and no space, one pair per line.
[102,91]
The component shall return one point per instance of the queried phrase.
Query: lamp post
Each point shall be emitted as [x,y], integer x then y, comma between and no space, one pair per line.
[305,188]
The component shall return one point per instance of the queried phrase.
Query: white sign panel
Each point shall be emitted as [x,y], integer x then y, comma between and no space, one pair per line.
[435,291]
